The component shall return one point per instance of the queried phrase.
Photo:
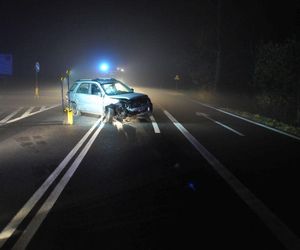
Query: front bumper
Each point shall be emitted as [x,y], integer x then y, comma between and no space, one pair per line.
[145,109]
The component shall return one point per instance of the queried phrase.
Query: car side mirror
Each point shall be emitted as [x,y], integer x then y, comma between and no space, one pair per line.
[132,89]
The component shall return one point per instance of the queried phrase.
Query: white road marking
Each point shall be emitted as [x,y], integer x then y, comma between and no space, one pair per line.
[28,206]
[33,113]
[27,112]
[42,108]
[154,124]
[247,120]
[37,220]
[118,125]
[219,123]
[5,119]
[277,227]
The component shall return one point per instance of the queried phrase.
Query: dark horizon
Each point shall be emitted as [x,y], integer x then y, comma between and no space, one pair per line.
[150,38]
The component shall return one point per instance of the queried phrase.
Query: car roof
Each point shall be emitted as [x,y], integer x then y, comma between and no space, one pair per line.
[99,80]
[82,80]
[105,80]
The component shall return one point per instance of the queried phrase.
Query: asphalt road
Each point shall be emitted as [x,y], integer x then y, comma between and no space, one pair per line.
[194,178]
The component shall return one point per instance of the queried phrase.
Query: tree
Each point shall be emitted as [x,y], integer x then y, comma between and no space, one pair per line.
[276,79]
[219,54]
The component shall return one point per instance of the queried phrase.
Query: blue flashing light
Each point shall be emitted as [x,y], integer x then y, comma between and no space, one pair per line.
[104,67]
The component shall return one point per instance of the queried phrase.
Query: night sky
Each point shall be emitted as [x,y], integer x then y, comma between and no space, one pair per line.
[61,34]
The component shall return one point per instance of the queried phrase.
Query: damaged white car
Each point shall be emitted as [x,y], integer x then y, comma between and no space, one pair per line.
[107,96]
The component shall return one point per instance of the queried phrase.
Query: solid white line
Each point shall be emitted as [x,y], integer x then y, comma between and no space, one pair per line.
[33,113]
[27,112]
[154,124]
[5,119]
[24,211]
[37,220]
[278,228]
[219,123]
[247,120]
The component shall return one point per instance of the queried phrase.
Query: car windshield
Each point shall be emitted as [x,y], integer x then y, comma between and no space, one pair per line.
[116,88]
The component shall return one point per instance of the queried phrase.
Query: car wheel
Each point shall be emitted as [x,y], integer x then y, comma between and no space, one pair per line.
[109,115]
[76,112]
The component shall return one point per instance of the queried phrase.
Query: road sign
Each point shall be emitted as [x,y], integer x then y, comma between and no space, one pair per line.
[37,67]
[5,64]
[177,78]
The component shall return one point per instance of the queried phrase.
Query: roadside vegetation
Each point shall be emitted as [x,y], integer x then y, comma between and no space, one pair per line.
[247,62]
[273,94]
[276,81]
[248,109]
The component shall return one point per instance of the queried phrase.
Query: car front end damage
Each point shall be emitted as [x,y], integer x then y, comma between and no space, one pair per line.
[130,107]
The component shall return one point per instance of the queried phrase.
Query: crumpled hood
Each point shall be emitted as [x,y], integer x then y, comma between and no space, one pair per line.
[128,96]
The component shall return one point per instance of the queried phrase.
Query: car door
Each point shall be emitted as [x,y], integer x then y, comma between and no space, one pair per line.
[82,96]
[96,100]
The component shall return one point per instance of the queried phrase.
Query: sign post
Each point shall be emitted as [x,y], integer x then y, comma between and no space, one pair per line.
[62,92]
[176,78]
[68,109]
[68,72]
[37,70]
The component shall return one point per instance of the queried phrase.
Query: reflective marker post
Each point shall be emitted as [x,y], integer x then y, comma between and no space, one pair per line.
[70,116]
[176,78]
[37,70]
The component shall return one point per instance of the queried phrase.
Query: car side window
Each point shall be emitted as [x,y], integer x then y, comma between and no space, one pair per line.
[95,90]
[73,86]
[83,88]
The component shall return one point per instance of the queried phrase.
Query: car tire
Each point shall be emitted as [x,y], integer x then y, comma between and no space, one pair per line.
[109,115]
[76,112]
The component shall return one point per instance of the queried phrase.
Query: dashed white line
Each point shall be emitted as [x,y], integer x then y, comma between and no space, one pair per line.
[276,226]
[154,124]
[5,119]
[37,220]
[219,123]
[28,206]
